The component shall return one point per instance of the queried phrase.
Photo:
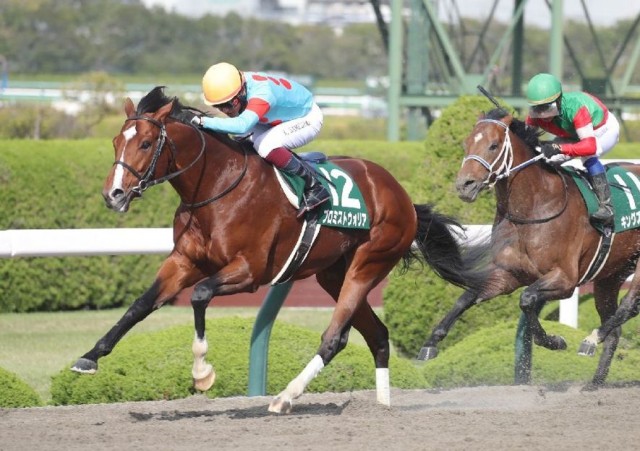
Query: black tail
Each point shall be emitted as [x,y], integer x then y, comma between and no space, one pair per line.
[441,246]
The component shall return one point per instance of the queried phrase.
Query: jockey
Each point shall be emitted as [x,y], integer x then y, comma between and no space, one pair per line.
[585,128]
[280,114]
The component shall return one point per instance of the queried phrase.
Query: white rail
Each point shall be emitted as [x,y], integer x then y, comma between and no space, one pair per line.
[133,241]
[84,242]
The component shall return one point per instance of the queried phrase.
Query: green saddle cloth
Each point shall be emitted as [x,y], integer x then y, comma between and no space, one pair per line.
[346,208]
[625,195]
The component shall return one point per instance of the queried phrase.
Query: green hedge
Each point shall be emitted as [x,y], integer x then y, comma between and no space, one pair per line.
[16,393]
[157,365]
[487,358]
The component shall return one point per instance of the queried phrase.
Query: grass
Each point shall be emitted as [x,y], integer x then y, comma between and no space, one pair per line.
[36,346]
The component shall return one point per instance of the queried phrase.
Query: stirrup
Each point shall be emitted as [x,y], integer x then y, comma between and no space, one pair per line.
[313,199]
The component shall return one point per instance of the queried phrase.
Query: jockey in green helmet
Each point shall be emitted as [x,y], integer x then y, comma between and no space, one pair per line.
[584,127]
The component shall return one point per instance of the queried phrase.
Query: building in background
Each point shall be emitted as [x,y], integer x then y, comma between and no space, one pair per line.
[330,12]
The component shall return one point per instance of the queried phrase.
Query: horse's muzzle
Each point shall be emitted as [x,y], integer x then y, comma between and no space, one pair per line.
[468,188]
[117,200]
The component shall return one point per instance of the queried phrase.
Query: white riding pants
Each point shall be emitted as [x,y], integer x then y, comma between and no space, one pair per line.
[291,134]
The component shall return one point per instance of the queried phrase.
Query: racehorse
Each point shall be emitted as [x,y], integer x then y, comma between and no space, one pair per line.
[234,230]
[541,238]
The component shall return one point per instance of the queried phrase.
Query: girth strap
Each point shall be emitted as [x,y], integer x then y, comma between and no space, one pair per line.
[600,258]
[308,235]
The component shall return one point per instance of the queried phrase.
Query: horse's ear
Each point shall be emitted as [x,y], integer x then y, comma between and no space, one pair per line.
[507,119]
[129,108]
[164,111]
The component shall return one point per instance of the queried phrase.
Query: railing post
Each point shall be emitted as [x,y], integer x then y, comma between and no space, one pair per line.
[259,349]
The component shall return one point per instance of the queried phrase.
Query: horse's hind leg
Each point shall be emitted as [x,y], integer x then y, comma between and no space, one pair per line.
[352,296]
[372,329]
[606,299]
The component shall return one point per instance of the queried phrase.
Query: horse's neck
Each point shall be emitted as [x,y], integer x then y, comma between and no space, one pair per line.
[531,188]
[210,171]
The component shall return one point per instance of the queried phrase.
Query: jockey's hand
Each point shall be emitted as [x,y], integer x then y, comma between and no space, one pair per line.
[550,150]
[193,118]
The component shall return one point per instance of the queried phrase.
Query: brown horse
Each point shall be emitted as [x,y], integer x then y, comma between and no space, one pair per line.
[541,238]
[234,231]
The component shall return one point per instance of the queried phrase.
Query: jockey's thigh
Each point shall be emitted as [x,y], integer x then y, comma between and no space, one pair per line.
[291,134]
[607,135]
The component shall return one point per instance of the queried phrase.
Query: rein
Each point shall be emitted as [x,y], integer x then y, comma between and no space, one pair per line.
[504,163]
[145,181]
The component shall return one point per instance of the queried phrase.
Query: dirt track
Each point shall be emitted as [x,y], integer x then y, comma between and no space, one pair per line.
[487,418]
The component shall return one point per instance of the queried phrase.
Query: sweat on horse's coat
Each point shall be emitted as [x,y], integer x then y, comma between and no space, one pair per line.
[234,230]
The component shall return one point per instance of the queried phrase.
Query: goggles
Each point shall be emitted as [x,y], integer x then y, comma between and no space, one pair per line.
[544,111]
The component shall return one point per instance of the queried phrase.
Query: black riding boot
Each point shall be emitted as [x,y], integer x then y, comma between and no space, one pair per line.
[314,192]
[604,214]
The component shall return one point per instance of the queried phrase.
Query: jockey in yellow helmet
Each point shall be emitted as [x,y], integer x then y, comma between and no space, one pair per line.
[280,114]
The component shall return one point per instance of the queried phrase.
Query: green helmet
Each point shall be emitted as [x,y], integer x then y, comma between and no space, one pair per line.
[543,88]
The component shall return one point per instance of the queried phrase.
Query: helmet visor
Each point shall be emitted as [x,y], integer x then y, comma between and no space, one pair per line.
[544,111]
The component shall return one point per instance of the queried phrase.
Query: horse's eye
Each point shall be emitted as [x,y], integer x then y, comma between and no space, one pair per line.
[493,146]
[145,145]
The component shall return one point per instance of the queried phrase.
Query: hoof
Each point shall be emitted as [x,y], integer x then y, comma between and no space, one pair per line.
[280,405]
[85,366]
[556,343]
[427,353]
[587,349]
[591,386]
[206,382]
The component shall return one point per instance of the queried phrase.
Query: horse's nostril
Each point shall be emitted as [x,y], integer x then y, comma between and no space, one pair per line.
[116,194]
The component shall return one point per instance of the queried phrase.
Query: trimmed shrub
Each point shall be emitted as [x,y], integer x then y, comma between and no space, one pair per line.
[414,304]
[16,393]
[157,365]
[487,358]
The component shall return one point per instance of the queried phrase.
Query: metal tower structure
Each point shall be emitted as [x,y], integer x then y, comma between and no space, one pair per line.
[429,66]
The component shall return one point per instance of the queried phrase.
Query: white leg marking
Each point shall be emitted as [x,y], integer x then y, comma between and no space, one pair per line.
[283,402]
[382,386]
[202,372]
[593,338]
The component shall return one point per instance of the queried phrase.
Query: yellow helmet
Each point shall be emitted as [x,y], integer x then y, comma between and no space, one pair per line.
[221,83]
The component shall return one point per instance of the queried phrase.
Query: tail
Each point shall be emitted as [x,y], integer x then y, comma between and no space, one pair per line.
[441,246]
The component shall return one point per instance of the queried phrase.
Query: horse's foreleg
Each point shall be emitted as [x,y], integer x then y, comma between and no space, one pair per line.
[172,277]
[533,299]
[232,278]
[430,350]
[138,311]
[500,282]
[203,373]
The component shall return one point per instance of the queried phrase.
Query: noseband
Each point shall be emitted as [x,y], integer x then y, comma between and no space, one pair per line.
[502,167]
[504,160]
[145,182]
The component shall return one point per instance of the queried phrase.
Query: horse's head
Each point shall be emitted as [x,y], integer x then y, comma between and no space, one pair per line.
[489,153]
[139,158]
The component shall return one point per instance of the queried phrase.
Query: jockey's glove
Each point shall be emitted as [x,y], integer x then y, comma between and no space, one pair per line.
[193,118]
[551,149]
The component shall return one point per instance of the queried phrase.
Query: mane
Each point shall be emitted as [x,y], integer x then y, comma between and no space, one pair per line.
[529,135]
[156,99]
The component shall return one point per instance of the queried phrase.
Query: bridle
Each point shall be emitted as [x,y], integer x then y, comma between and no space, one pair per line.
[502,167]
[145,180]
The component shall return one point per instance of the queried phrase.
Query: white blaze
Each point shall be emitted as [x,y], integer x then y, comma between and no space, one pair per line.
[477,138]
[119,174]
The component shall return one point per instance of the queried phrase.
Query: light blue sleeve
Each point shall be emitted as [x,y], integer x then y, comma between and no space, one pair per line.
[242,124]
